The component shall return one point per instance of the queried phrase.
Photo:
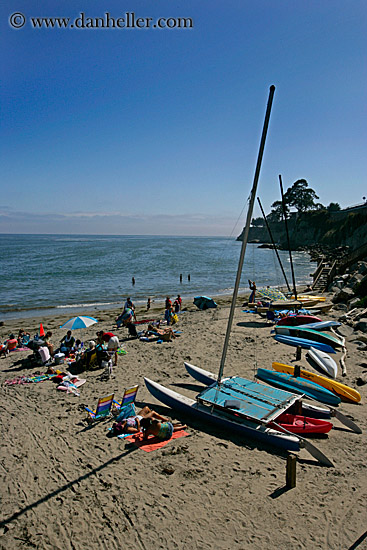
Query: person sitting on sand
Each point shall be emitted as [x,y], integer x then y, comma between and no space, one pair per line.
[67,343]
[48,343]
[23,337]
[161,430]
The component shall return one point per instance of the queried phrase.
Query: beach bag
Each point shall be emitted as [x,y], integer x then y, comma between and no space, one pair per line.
[174,319]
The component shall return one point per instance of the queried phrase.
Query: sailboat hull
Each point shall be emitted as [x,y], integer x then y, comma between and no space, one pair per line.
[226,421]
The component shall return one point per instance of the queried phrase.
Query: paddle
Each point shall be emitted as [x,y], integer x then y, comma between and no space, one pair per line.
[341,417]
[314,451]
[345,420]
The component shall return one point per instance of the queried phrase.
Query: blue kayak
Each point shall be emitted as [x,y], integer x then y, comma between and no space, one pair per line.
[299,385]
[303,343]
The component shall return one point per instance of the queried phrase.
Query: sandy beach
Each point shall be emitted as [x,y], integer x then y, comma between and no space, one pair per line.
[67,486]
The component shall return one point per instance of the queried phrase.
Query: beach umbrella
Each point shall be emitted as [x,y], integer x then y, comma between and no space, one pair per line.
[271,294]
[79,322]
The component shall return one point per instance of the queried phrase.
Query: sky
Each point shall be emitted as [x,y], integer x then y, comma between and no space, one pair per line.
[155,131]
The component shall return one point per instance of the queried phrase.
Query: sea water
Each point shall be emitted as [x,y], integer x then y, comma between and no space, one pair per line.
[53,274]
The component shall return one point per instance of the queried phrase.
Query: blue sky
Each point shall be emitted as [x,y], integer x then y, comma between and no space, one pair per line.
[156,131]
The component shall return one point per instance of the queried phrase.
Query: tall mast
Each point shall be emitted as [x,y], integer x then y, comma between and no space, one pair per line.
[289,244]
[273,243]
[246,231]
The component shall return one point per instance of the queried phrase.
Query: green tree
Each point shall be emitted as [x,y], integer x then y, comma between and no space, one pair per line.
[300,197]
[277,211]
[257,222]
[333,207]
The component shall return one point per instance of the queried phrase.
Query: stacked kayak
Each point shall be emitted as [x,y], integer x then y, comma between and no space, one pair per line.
[298,385]
[310,334]
[293,320]
[322,361]
[341,390]
[303,343]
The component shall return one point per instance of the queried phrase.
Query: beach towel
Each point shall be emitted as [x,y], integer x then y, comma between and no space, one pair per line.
[152,443]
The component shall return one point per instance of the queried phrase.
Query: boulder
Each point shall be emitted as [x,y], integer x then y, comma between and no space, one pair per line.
[362,268]
[353,303]
[362,325]
[344,295]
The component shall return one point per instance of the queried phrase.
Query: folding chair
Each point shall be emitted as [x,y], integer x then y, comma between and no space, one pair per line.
[127,406]
[103,409]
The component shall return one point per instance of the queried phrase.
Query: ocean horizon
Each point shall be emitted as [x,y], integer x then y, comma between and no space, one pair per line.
[45,274]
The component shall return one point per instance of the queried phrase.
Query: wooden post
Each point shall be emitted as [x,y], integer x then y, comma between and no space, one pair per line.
[298,353]
[297,371]
[290,478]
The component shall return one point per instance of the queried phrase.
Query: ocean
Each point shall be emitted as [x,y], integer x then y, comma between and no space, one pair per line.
[76,274]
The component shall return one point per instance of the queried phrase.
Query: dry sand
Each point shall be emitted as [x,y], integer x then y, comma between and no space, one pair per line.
[66,487]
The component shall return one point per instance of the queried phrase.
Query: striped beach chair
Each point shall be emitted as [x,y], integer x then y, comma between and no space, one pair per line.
[126,407]
[102,410]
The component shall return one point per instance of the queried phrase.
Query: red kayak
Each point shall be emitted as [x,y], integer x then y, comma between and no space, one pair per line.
[294,320]
[302,424]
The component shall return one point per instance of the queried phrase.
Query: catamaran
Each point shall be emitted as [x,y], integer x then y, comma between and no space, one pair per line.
[236,404]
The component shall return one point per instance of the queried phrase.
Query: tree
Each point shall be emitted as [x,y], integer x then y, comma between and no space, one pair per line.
[333,207]
[300,197]
[277,211]
[257,222]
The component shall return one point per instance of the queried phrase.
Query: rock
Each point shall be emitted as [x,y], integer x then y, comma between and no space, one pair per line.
[362,325]
[353,303]
[344,295]
[362,268]
[340,307]
[361,380]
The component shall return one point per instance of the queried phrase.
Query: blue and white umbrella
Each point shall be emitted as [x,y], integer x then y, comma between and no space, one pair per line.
[79,322]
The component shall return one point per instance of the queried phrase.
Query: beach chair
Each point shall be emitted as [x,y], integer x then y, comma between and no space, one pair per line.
[126,407]
[103,409]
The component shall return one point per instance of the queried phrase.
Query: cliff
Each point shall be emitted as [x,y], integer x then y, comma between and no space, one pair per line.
[323,228]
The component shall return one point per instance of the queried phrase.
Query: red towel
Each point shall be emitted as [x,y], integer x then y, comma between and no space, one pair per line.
[153,443]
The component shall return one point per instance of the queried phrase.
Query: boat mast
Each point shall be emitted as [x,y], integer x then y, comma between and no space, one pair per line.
[273,243]
[289,244]
[246,231]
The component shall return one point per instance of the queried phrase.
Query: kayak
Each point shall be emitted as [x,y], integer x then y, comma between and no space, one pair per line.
[298,385]
[303,425]
[323,361]
[292,320]
[310,334]
[303,343]
[341,390]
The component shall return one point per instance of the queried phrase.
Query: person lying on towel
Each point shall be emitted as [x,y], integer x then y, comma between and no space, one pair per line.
[161,430]
[132,424]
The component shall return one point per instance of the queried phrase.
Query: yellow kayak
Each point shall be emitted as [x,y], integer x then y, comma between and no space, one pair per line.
[344,392]
[306,297]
